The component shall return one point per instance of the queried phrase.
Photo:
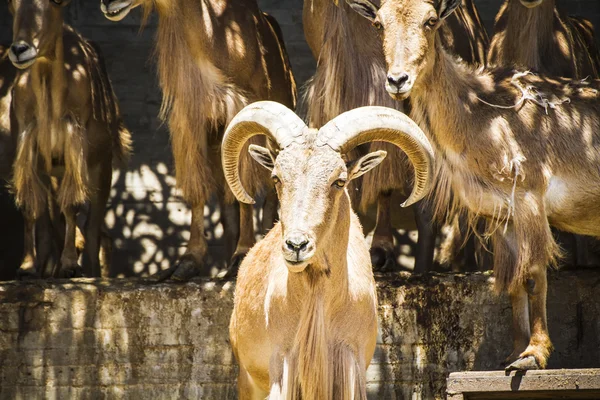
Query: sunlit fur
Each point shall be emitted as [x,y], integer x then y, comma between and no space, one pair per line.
[351,73]
[7,140]
[544,40]
[309,334]
[520,167]
[213,58]
[68,126]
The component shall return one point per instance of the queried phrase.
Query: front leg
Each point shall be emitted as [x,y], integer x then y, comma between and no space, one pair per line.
[28,269]
[530,241]
[69,268]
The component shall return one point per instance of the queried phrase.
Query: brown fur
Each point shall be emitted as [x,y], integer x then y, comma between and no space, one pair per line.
[7,139]
[351,74]
[544,40]
[509,149]
[296,335]
[213,58]
[69,129]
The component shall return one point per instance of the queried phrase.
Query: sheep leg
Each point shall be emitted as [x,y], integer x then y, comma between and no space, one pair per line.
[69,268]
[537,249]
[190,264]
[245,241]
[270,212]
[382,247]
[27,269]
[426,241]
[520,323]
[537,352]
[100,177]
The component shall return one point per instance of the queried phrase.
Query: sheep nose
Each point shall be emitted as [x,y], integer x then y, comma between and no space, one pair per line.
[296,243]
[397,80]
[19,48]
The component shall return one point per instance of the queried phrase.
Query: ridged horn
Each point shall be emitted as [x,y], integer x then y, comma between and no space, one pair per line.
[268,118]
[370,124]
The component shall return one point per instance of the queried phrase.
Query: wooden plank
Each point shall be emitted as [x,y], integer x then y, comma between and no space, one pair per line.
[544,384]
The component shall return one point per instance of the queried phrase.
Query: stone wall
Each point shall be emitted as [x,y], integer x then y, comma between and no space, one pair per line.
[96,339]
[146,218]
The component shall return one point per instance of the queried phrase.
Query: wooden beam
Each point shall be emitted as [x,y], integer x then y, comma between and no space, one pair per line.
[544,384]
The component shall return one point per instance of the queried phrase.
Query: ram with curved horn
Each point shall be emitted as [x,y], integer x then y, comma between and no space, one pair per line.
[304,323]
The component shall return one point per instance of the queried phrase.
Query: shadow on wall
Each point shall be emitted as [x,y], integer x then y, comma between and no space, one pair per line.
[80,341]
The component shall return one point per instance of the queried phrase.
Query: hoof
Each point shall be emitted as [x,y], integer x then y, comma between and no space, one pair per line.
[382,260]
[234,266]
[70,271]
[27,274]
[186,269]
[524,364]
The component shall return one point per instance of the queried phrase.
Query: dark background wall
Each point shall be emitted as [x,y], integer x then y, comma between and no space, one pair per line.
[146,218]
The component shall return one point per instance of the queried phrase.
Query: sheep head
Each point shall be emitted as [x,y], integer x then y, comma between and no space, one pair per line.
[409,30]
[309,170]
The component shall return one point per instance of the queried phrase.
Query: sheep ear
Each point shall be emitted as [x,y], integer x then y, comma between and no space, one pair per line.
[263,156]
[365,164]
[446,7]
[364,8]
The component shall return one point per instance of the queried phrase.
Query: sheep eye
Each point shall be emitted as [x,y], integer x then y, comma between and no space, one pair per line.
[431,22]
[377,25]
[57,2]
[340,183]
[276,180]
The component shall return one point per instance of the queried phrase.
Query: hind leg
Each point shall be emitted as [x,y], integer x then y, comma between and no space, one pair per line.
[246,239]
[28,269]
[426,242]
[270,211]
[100,177]
[69,267]
[382,247]
[539,347]
[520,323]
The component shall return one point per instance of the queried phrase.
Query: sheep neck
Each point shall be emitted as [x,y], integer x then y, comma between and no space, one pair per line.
[441,98]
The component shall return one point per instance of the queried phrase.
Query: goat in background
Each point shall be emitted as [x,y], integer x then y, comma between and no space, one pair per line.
[350,74]
[520,150]
[69,130]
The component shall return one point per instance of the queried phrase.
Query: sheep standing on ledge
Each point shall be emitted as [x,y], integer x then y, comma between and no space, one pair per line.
[520,150]
[304,323]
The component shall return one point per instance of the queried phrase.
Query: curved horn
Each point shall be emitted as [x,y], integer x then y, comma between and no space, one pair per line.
[268,118]
[370,124]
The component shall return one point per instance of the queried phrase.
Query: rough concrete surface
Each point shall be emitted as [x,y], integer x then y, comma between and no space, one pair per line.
[105,339]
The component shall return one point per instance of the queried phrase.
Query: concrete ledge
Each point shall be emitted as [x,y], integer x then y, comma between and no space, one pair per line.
[132,339]
[548,384]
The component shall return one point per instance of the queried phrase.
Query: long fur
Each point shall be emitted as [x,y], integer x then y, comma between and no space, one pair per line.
[545,40]
[347,78]
[311,347]
[36,145]
[517,216]
[198,102]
